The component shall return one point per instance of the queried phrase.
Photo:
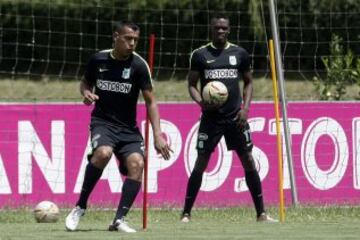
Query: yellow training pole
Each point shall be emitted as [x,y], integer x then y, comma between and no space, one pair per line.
[278,135]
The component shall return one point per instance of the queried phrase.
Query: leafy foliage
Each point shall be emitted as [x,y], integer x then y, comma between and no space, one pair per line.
[340,71]
[56,37]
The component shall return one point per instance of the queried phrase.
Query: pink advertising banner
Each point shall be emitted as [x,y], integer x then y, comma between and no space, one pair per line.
[43,151]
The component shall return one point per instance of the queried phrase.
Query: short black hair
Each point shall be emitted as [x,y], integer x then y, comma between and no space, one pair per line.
[118,26]
[220,15]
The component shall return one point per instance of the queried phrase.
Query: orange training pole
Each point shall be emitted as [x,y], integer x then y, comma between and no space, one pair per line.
[147,129]
[278,135]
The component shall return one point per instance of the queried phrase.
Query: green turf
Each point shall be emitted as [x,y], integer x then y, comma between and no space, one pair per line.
[230,223]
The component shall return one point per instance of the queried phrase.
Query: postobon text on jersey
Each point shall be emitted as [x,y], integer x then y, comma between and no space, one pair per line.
[220,73]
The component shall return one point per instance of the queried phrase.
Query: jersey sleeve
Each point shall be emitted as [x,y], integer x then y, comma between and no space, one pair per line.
[144,76]
[245,65]
[195,61]
[91,71]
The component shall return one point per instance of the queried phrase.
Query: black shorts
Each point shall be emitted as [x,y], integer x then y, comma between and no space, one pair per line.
[124,141]
[211,131]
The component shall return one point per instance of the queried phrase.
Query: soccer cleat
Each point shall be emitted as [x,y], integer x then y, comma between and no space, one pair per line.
[185,218]
[266,219]
[121,226]
[73,219]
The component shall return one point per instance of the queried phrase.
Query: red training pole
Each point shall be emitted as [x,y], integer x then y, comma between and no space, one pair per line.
[147,128]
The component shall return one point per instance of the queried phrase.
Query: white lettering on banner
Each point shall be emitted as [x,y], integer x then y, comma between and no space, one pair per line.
[260,158]
[356,151]
[295,127]
[4,181]
[111,173]
[51,161]
[156,162]
[81,172]
[220,73]
[327,179]
[214,179]
[30,145]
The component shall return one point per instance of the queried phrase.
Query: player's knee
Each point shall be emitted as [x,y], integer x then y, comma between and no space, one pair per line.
[201,162]
[135,166]
[200,167]
[247,161]
[249,166]
[101,157]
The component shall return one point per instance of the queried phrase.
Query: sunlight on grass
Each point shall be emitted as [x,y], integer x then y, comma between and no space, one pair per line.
[229,223]
[68,91]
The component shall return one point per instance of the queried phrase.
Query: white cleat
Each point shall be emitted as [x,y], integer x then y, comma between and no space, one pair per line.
[185,218]
[266,219]
[122,226]
[73,219]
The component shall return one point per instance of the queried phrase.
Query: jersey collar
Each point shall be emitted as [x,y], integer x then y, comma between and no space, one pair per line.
[227,45]
[114,58]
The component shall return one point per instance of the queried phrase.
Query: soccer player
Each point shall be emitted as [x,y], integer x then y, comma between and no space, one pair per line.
[223,61]
[113,80]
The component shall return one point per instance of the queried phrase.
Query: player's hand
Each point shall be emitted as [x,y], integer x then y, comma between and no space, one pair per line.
[89,97]
[162,147]
[241,118]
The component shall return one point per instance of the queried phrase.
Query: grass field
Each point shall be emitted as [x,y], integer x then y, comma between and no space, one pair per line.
[55,90]
[231,223]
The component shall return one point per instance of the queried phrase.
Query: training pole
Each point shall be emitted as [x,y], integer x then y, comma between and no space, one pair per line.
[147,129]
[280,78]
[278,131]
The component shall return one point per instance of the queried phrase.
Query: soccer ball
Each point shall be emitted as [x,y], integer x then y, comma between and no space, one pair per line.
[215,93]
[46,212]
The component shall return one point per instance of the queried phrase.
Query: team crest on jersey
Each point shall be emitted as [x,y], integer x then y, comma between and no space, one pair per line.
[232,60]
[126,73]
